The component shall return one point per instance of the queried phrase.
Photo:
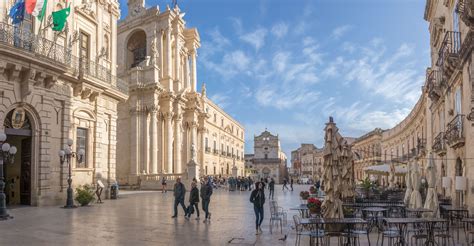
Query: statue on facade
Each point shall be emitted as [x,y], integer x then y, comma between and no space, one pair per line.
[153,50]
[203,90]
[193,152]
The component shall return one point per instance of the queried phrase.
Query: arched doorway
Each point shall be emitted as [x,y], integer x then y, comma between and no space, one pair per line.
[18,176]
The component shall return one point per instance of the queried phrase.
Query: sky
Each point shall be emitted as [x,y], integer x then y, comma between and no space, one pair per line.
[287,65]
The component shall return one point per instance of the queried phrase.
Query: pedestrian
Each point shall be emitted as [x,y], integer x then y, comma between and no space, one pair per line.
[206,192]
[193,201]
[163,184]
[271,186]
[291,184]
[258,199]
[285,182]
[179,192]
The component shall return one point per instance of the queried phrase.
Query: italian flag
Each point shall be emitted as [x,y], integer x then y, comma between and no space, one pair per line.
[36,8]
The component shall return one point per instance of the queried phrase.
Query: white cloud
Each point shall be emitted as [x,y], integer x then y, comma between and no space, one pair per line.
[339,31]
[232,63]
[221,100]
[255,38]
[280,29]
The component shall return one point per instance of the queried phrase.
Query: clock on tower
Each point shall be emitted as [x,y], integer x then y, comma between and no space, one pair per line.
[135,7]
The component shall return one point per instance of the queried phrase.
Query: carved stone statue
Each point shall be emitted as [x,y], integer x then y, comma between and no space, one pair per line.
[203,90]
[193,152]
[154,50]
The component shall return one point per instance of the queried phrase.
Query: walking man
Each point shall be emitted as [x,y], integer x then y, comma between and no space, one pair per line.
[285,182]
[206,192]
[271,186]
[193,201]
[179,192]
[258,199]
[291,184]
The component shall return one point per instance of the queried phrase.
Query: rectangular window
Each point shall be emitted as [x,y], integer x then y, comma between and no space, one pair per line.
[207,145]
[84,46]
[457,101]
[81,143]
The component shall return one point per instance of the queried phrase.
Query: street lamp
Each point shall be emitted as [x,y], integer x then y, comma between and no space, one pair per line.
[65,155]
[7,154]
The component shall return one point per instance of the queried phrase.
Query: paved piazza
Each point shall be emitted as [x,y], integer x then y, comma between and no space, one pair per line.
[144,218]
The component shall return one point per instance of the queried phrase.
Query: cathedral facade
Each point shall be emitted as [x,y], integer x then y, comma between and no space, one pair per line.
[166,122]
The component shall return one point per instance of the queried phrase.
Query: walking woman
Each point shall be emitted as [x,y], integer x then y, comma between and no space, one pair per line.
[163,184]
[258,199]
[193,202]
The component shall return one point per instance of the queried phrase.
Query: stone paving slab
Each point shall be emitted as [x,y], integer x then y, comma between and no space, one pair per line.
[143,218]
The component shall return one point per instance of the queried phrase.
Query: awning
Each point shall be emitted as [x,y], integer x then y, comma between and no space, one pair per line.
[385,169]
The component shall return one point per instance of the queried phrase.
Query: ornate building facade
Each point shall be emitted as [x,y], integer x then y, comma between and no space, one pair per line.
[165,118]
[368,152]
[56,86]
[268,160]
[307,161]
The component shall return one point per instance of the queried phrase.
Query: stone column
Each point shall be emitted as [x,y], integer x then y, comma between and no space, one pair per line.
[168,53]
[178,144]
[145,137]
[161,55]
[186,76]
[134,141]
[193,73]
[203,145]
[160,146]
[169,142]
[176,56]
[153,142]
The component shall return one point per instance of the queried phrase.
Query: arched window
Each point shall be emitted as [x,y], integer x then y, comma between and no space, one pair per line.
[136,48]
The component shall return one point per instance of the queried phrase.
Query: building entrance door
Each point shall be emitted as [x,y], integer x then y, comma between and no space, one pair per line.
[18,176]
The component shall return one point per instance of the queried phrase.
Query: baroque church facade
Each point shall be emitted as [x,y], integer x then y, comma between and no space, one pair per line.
[165,118]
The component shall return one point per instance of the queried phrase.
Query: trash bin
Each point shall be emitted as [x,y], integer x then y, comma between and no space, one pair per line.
[114,191]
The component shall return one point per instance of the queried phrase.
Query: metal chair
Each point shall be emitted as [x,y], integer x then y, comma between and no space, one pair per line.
[315,234]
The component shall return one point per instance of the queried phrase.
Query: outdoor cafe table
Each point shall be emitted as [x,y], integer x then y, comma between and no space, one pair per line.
[402,223]
[418,211]
[455,214]
[468,222]
[348,222]
[303,209]
[376,215]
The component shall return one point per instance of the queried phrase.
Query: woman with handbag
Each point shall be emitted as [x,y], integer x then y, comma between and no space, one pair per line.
[193,201]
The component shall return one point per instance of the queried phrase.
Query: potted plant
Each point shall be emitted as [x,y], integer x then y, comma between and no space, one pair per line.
[84,195]
[314,205]
[367,185]
[348,212]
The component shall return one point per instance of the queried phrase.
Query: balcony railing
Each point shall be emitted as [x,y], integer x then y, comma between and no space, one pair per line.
[454,132]
[450,47]
[41,47]
[434,84]
[439,146]
[216,152]
[25,40]
[223,153]
[208,149]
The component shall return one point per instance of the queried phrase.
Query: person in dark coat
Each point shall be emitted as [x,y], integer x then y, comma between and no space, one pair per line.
[285,182]
[258,199]
[193,201]
[206,192]
[291,184]
[179,193]
[271,187]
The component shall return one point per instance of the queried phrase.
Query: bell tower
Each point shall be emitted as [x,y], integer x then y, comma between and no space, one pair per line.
[136,7]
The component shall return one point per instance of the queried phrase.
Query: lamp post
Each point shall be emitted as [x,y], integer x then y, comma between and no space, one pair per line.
[66,155]
[7,154]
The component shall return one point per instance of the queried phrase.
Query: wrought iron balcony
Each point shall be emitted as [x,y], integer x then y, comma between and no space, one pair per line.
[223,153]
[448,55]
[39,48]
[420,146]
[35,45]
[454,132]
[434,84]
[439,146]
[216,152]
[208,149]
[465,8]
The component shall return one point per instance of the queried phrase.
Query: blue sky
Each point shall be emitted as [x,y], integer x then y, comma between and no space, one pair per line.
[287,65]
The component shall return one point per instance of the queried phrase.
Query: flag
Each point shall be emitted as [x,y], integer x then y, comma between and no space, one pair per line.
[17,12]
[59,18]
[36,8]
